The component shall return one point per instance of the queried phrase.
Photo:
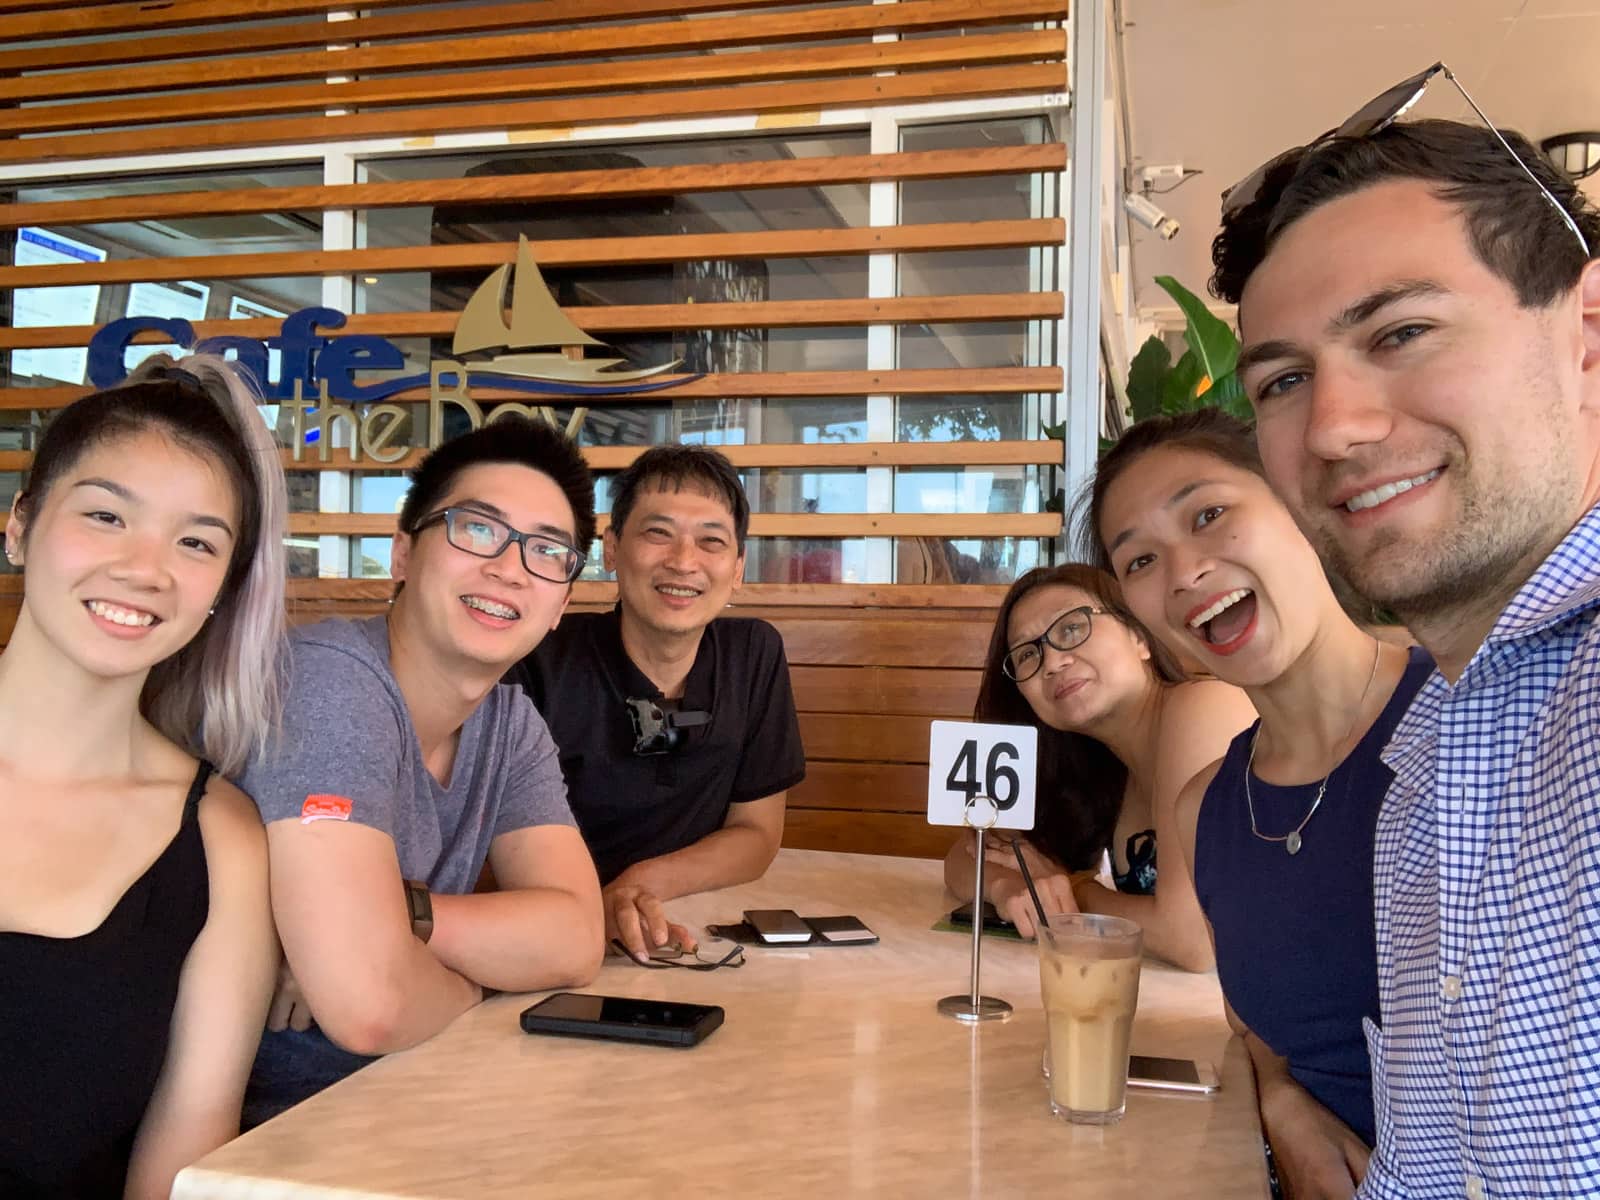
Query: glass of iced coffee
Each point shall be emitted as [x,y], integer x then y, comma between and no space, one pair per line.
[1089,979]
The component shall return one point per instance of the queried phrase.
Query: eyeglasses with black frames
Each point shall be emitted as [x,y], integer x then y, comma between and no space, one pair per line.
[1067,632]
[1377,115]
[707,956]
[479,534]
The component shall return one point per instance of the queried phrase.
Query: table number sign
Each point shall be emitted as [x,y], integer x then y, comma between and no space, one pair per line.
[967,760]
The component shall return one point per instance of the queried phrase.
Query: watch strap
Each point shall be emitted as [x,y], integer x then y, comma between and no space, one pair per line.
[419,905]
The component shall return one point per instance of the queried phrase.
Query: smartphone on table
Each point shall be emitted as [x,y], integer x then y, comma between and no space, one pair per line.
[1171,1074]
[622,1019]
[962,915]
[778,926]
[841,931]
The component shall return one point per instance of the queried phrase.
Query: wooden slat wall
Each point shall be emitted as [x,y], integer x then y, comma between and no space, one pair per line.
[587,73]
[566,185]
[871,664]
[640,318]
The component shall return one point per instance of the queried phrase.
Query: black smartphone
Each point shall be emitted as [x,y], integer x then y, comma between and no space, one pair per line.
[622,1019]
[991,918]
[777,926]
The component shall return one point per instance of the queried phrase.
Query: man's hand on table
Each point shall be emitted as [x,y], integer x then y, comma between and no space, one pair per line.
[289,1009]
[1318,1156]
[636,918]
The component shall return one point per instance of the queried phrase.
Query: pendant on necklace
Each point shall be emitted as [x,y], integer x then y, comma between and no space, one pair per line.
[1292,842]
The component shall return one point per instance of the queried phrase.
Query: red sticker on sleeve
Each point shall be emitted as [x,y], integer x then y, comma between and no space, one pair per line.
[322,807]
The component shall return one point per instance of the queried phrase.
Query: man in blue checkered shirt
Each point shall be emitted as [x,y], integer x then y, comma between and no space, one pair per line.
[1420,312]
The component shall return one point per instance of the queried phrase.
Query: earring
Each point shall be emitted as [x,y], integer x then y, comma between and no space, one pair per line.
[211,612]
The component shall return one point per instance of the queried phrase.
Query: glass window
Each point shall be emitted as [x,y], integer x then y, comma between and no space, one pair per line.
[975,418]
[966,489]
[966,560]
[166,238]
[972,344]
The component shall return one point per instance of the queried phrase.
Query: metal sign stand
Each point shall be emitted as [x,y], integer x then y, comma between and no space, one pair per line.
[980,815]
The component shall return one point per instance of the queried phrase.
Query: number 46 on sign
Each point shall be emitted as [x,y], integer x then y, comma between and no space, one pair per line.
[966,759]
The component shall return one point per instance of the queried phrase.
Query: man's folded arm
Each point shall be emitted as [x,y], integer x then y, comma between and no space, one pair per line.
[542,928]
[339,902]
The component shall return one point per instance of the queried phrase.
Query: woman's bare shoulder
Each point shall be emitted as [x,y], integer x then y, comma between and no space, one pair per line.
[1209,700]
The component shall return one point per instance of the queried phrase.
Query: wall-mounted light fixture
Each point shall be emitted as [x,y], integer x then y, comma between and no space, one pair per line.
[1578,154]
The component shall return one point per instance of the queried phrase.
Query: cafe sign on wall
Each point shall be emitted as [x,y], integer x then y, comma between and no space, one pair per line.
[543,353]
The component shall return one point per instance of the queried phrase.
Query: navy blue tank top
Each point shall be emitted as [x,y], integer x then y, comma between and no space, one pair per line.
[1296,945]
[84,1024]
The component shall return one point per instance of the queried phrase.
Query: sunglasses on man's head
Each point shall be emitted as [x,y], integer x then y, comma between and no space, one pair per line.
[1375,116]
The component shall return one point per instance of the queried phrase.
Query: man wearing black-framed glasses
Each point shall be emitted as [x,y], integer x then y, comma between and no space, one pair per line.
[1420,312]
[403,767]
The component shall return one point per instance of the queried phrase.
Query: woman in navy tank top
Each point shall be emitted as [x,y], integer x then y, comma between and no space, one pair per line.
[1280,831]
[137,954]
[1121,730]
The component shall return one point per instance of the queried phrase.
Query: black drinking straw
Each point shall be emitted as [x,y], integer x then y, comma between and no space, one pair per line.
[1027,878]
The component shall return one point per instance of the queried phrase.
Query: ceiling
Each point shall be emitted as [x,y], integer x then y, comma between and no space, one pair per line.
[1221,85]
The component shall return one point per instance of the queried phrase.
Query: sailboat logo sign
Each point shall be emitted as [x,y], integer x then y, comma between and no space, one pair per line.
[538,324]
[541,352]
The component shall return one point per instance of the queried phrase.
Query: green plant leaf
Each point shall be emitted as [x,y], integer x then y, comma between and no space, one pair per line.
[1057,503]
[1106,444]
[1147,373]
[1054,433]
[1228,395]
[1209,337]
[1177,390]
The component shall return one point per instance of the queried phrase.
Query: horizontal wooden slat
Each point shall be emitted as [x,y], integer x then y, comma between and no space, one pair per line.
[618,318]
[700,69]
[863,787]
[896,691]
[771,454]
[68,19]
[760,98]
[561,252]
[478,52]
[789,525]
[568,185]
[793,525]
[947,640]
[866,833]
[831,600]
[454,20]
[863,737]
[938,382]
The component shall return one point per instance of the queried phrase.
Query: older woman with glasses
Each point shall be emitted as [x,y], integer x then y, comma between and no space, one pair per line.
[1121,730]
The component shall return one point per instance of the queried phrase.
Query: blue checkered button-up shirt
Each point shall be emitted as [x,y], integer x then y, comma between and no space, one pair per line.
[1486,1073]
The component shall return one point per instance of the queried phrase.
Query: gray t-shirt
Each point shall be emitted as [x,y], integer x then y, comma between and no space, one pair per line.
[349,752]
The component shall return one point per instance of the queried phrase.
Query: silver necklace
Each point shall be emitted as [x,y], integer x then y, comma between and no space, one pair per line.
[1292,840]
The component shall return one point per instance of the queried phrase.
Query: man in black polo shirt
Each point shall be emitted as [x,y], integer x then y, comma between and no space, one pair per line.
[676,725]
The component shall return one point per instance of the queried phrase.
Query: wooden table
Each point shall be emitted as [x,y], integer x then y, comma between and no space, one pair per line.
[832,1076]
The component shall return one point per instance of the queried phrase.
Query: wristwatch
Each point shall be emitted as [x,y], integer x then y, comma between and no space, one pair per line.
[420,905]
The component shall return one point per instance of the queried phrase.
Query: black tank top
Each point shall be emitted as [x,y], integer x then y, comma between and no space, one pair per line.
[84,1024]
